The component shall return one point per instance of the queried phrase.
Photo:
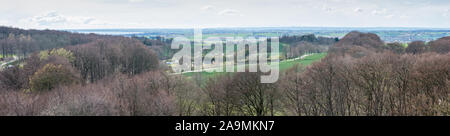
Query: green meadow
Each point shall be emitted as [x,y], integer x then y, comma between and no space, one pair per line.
[284,65]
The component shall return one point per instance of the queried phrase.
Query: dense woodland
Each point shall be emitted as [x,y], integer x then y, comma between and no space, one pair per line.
[300,45]
[63,73]
[292,46]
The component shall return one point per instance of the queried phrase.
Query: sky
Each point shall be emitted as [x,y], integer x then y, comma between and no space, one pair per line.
[104,14]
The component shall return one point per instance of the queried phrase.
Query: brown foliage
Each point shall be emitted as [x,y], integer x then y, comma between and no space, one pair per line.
[416,47]
[12,78]
[396,47]
[56,72]
[355,38]
[441,45]
[102,58]
[152,93]
[221,100]
[240,94]
[381,84]
[358,44]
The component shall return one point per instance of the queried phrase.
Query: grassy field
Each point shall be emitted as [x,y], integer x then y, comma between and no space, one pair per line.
[283,66]
[306,61]
[1,56]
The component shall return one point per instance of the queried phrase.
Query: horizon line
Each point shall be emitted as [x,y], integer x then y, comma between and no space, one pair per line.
[233,27]
[238,27]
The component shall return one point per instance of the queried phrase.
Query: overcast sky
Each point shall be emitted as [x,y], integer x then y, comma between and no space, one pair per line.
[76,14]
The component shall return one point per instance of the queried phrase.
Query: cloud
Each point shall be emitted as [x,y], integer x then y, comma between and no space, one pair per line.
[230,12]
[328,9]
[135,1]
[50,18]
[55,19]
[446,13]
[379,12]
[358,10]
[160,13]
[4,22]
[404,16]
[208,7]
[389,16]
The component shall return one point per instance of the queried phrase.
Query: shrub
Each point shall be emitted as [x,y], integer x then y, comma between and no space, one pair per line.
[416,47]
[57,52]
[51,76]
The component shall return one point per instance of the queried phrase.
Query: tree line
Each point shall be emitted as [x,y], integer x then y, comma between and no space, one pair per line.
[296,45]
[19,42]
[82,63]
[300,45]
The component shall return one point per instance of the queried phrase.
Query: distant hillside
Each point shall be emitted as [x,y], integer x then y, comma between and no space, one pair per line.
[20,42]
[358,44]
[441,45]
[387,34]
[361,39]
[311,38]
[298,45]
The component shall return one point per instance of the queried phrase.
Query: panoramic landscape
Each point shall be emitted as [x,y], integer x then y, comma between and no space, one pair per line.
[321,58]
